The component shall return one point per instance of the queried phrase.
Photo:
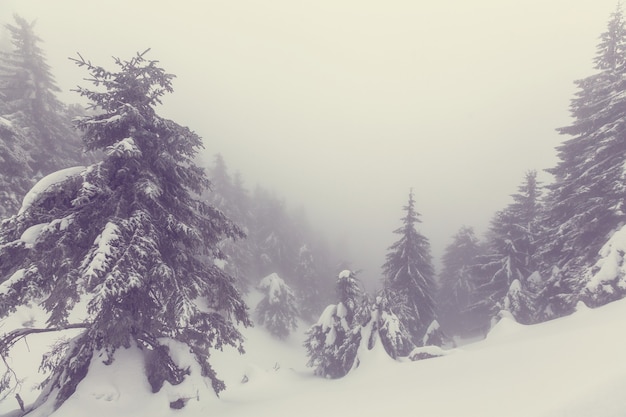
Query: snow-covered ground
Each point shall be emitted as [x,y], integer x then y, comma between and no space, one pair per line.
[568,367]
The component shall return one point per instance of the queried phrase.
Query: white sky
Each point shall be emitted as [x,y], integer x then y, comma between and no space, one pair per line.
[343,105]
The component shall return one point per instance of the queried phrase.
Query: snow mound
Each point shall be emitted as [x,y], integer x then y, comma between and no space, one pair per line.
[565,367]
[505,328]
[427,352]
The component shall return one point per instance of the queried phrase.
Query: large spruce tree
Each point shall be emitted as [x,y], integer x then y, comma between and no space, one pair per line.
[408,272]
[587,199]
[127,237]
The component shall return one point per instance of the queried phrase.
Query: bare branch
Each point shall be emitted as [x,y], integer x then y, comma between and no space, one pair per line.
[9,339]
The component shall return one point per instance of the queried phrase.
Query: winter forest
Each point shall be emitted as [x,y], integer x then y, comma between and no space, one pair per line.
[140,277]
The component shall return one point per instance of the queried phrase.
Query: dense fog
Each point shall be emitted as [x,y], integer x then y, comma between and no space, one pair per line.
[252,199]
[342,107]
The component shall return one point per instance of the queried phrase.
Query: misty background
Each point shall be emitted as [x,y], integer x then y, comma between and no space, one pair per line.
[342,106]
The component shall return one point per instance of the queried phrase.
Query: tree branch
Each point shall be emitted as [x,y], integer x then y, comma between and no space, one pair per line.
[12,337]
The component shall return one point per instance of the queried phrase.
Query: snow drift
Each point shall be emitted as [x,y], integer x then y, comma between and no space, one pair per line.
[567,367]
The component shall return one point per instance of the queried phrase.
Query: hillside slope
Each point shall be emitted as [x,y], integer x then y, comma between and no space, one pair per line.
[567,367]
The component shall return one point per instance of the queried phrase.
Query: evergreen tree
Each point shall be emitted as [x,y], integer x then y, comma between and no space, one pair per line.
[527,210]
[274,235]
[241,252]
[241,202]
[457,282]
[128,237]
[338,342]
[391,331]
[350,294]
[220,195]
[231,197]
[332,343]
[278,241]
[511,248]
[409,272]
[503,263]
[29,94]
[586,200]
[380,327]
[277,311]
[307,277]
[312,277]
[15,172]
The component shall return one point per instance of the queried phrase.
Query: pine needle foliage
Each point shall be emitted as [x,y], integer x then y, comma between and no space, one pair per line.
[586,199]
[127,237]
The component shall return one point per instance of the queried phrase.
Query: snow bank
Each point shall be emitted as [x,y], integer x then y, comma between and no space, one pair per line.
[566,367]
[506,329]
[427,352]
[118,388]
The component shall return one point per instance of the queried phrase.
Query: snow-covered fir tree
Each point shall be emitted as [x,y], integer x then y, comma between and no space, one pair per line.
[29,90]
[328,347]
[391,331]
[511,244]
[348,330]
[408,271]
[586,202]
[457,282]
[378,327]
[127,238]
[277,311]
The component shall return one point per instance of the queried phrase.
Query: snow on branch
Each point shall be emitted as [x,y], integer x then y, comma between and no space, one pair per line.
[103,252]
[125,148]
[45,183]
